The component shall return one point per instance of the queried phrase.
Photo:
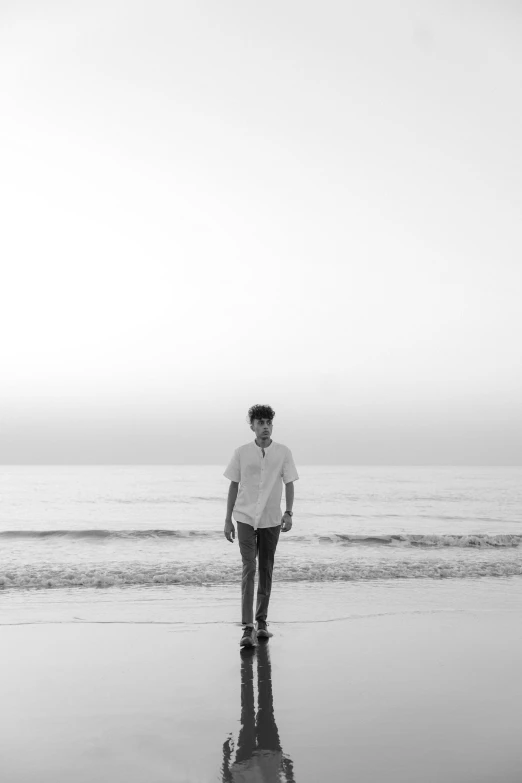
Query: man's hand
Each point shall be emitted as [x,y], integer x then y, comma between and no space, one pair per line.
[286,523]
[230,530]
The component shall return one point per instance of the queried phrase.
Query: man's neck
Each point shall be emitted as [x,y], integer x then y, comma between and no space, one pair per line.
[263,442]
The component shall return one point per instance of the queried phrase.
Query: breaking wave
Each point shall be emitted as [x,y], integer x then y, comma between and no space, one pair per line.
[427,540]
[482,540]
[111,534]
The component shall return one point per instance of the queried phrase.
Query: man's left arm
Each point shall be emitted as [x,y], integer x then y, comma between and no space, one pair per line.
[286,522]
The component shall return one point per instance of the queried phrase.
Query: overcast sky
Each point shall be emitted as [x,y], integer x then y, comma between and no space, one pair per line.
[314,205]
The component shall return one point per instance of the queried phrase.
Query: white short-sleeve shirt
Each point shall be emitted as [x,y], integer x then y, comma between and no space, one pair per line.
[260,482]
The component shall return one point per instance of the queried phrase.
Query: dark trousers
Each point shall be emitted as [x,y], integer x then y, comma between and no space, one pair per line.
[260,543]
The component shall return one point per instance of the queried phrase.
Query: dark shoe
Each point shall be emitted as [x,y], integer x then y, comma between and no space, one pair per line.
[262,630]
[249,638]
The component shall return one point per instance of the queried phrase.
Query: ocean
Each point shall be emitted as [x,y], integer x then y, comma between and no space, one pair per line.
[146,543]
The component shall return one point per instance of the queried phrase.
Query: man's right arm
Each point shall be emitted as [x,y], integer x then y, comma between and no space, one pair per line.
[232,497]
[230,531]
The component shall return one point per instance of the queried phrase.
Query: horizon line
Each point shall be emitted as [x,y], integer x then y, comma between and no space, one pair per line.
[219,464]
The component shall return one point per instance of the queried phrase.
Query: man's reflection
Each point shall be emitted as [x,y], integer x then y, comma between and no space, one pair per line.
[259,756]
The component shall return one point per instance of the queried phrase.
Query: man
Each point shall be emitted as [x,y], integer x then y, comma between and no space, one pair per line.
[256,472]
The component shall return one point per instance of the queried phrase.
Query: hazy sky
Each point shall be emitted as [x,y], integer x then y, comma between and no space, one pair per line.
[315,205]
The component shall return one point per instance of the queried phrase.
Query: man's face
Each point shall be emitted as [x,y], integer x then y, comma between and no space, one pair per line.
[262,428]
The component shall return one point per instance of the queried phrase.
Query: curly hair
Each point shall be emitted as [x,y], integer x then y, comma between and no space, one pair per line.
[260,412]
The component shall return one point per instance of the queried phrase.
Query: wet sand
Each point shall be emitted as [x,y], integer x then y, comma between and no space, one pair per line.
[403,697]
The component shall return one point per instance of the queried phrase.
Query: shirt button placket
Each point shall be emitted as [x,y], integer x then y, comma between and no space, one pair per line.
[257,520]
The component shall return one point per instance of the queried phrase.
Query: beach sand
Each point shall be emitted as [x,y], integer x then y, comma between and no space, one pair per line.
[417,696]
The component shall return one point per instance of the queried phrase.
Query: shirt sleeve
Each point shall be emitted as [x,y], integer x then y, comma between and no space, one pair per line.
[289,469]
[233,471]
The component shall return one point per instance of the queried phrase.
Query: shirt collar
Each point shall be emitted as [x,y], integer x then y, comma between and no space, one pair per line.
[265,447]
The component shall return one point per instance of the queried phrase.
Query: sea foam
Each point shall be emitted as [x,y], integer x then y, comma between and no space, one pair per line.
[44,576]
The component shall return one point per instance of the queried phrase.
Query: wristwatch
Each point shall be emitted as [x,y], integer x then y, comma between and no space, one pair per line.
[289,512]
